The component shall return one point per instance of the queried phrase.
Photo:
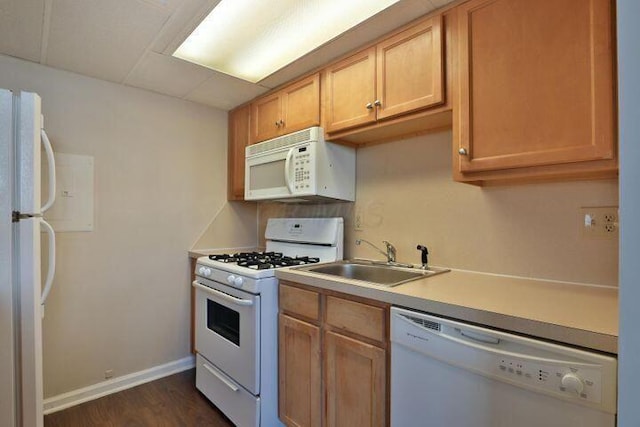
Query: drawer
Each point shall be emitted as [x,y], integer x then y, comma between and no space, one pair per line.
[362,319]
[235,402]
[300,301]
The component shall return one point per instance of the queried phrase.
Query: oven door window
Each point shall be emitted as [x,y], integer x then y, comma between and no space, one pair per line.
[223,321]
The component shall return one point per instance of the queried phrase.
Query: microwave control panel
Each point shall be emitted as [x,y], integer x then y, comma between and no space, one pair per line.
[303,170]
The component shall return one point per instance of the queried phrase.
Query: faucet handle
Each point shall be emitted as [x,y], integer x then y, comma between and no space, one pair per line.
[391,251]
[425,252]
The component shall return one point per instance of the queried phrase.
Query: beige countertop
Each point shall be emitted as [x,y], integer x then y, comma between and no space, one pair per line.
[582,315]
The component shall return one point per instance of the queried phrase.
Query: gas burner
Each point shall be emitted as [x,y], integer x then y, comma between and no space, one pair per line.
[223,258]
[255,264]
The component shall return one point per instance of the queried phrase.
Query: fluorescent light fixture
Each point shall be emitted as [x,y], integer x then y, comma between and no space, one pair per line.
[252,39]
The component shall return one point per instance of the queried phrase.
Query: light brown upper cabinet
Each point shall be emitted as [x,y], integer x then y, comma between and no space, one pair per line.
[238,140]
[295,107]
[536,90]
[399,75]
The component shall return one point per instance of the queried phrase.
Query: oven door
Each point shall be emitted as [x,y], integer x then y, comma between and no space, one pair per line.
[227,324]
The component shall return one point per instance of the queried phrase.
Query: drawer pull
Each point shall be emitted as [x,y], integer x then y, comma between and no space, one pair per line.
[220,377]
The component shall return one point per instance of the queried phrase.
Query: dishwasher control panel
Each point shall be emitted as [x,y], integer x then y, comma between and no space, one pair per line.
[573,381]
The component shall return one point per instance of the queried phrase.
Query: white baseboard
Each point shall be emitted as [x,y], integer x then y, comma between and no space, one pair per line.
[95,391]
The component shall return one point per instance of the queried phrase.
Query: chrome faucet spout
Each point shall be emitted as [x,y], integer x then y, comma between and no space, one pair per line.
[390,254]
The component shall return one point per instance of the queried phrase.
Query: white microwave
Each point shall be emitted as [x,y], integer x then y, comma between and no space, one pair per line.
[300,167]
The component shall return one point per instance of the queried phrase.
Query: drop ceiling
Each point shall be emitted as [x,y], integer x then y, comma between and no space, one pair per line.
[131,41]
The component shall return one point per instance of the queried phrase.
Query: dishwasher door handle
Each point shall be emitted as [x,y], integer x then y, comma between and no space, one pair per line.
[487,339]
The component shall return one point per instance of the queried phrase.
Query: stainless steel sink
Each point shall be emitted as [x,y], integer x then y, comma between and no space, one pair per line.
[377,274]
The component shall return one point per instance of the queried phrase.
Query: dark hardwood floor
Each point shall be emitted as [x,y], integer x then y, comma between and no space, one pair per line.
[170,401]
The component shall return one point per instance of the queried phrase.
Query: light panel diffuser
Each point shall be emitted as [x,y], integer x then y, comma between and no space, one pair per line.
[252,39]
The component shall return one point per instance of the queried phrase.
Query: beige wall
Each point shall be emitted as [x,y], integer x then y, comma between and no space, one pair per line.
[407,196]
[234,226]
[121,295]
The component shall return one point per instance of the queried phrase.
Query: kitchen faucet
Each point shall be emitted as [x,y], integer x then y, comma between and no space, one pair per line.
[391,250]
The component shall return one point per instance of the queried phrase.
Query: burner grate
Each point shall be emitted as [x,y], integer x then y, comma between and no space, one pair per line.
[263,260]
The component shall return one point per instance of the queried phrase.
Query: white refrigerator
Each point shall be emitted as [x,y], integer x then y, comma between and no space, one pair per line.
[22,292]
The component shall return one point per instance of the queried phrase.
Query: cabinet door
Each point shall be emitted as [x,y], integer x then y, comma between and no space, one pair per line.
[301,105]
[349,91]
[536,83]
[265,118]
[299,373]
[410,73]
[355,381]
[238,140]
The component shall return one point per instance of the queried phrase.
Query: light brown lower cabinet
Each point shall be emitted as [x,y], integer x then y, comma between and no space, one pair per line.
[299,372]
[355,382]
[333,359]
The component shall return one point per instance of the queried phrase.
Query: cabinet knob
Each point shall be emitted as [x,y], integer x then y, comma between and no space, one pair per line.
[277,124]
[281,122]
[377,103]
[369,106]
[462,151]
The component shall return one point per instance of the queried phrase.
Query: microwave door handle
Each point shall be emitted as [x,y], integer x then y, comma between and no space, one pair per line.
[287,170]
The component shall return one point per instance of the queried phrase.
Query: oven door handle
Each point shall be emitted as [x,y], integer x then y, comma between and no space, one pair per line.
[226,297]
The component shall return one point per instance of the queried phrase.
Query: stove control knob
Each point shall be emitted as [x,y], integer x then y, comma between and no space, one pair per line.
[207,272]
[238,281]
[231,279]
[201,271]
[573,383]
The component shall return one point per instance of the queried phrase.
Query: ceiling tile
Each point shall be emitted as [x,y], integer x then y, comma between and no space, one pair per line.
[182,22]
[225,92]
[168,75]
[103,39]
[167,5]
[21,28]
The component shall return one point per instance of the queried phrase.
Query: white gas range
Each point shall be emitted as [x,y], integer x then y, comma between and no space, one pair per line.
[236,318]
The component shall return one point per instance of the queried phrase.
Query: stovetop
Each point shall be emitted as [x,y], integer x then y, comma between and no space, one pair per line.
[263,260]
[289,242]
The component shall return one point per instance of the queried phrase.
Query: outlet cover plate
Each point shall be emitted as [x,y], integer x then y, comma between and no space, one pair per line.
[358,220]
[599,222]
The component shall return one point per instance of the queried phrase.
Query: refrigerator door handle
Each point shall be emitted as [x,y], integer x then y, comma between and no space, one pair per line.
[52,260]
[52,170]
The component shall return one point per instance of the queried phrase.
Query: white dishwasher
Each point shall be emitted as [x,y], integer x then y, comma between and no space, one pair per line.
[450,374]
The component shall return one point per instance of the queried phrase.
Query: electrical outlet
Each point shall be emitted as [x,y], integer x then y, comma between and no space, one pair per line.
[108,374]
[599,222]
[358,220]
